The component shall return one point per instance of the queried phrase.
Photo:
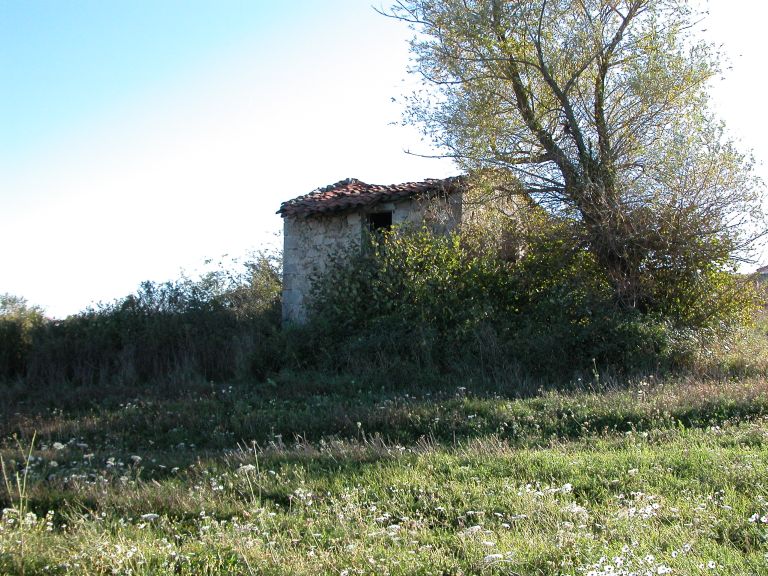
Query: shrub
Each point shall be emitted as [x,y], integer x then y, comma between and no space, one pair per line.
[447,303]
[205,328]
[18,322]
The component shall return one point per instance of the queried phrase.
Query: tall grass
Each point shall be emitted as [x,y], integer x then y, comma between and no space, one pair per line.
[16,486]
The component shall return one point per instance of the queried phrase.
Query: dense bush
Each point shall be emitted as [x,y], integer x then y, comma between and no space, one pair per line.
[18,322]
[448,303]
[210,327]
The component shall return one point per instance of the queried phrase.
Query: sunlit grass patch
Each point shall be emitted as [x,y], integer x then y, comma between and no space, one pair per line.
[663,502]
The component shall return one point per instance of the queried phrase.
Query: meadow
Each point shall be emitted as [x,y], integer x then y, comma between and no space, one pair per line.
[316,474]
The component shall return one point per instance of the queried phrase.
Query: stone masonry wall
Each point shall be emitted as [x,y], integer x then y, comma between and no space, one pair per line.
[310,243]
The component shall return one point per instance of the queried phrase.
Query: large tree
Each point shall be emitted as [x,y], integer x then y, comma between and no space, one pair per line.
[600,109]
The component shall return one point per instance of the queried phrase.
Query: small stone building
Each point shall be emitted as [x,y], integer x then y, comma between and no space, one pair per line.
[331,220]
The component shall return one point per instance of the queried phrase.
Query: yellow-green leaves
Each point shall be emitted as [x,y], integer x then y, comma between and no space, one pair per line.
[599,107]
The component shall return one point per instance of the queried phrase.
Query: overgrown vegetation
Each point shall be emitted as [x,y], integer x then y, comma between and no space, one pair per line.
[208,328]
[18,322]
[403,431]
[454,304]
[412,303]
[601,109]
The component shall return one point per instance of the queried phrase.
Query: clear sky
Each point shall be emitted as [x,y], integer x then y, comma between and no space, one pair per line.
[140,137]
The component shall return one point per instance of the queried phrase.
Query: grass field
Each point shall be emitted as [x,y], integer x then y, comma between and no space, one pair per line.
[317,474]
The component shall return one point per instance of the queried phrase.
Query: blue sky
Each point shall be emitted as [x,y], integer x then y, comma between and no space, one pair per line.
[67,61]
[141,137]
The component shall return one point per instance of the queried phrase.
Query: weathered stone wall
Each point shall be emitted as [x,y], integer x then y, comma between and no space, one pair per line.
[310,243]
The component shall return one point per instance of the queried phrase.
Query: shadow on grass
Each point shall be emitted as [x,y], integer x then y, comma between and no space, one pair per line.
[311,407]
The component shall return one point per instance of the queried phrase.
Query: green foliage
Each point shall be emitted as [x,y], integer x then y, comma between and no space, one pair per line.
[207,328]
[452,303]
[600,108]
[18,322]
[416,276]
[708,296]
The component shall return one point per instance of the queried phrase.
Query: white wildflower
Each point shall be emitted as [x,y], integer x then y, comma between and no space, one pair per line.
[493,558]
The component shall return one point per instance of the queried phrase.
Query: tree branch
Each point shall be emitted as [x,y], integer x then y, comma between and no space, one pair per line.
[525,106]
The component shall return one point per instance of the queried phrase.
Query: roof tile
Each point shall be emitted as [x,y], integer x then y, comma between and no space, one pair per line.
[351,193]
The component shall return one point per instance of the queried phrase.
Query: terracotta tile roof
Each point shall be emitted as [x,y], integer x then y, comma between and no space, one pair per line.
[351,194]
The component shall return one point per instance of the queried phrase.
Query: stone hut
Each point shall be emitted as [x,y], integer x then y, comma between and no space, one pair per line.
[335,218]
